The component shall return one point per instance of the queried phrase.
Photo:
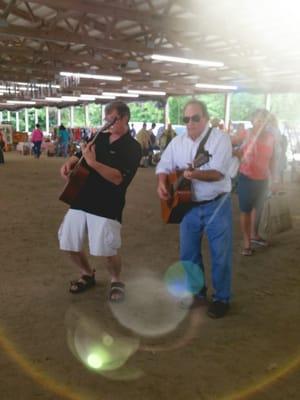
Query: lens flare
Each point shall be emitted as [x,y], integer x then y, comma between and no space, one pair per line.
[184,279]
[94,361]
[149,309]
[99,348]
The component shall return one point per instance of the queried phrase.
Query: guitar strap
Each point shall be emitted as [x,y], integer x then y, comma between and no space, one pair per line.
[200,149]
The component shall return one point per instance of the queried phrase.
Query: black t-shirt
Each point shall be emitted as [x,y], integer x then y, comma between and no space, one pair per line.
[99,196]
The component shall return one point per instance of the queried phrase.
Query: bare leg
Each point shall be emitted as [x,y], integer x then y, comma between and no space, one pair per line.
[114,266]
[245,221]
[253,224]
[80,259]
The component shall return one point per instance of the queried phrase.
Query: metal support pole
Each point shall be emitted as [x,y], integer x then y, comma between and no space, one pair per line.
[86,114]
[72,116]
[36,116]
[166,112]
[227,112]
[47,119]
[58,116]
[102,108]
[17,121]
[26,120]
[268,102]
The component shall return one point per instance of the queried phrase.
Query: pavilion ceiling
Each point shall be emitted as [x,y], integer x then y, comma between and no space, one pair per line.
[40,38]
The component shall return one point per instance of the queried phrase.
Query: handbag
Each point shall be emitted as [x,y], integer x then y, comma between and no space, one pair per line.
[275,217]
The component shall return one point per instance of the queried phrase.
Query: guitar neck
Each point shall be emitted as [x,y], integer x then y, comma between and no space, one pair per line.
[178,183]
[94,138]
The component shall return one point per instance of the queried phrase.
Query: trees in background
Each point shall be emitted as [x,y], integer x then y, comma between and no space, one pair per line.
[150,111]
[285,106]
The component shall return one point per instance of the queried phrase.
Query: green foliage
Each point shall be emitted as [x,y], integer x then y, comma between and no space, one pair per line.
[79,116]
[243,104]
[52,117]
[176,105]
[95,114]
[65,116]
[31,120]
[215,105]
[22,120]
[13,120]
[286,106]
[149,111]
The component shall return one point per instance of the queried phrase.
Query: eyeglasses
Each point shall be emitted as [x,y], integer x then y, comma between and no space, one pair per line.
[193,118]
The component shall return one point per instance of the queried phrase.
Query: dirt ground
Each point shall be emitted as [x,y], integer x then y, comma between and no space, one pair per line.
[45,332]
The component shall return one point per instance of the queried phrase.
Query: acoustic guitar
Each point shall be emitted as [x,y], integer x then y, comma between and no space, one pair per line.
[180,195]
[78,175]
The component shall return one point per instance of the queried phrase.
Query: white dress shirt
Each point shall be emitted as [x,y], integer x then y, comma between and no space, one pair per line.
[181,151]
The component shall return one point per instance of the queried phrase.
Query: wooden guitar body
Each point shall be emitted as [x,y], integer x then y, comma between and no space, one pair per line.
[179,188]
[173,209]
[76,181]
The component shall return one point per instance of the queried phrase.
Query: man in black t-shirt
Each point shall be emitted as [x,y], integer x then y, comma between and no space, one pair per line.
[112,162]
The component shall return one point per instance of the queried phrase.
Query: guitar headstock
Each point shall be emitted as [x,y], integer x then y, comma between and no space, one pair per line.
[201,159]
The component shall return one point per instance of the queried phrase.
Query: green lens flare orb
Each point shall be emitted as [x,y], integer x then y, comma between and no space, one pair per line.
[184,279]
[94,361]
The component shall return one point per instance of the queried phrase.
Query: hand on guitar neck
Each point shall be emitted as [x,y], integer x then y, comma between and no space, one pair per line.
[89,153]
[188,173]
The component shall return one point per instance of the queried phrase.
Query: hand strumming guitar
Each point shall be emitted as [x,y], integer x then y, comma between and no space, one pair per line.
[162,189]
[68,166]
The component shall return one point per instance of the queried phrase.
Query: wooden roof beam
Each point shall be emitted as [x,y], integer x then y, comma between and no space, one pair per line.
[59,35]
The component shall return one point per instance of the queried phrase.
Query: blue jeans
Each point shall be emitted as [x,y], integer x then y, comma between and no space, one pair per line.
[215,220]
[37,149]
[64,149]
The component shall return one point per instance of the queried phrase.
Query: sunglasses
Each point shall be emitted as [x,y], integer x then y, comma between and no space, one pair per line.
[193,118]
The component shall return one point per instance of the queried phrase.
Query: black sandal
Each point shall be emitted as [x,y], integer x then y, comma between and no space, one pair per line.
[117,288]
[82,284]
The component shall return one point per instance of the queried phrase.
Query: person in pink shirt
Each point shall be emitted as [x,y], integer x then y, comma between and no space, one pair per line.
[37,138]
[258,166]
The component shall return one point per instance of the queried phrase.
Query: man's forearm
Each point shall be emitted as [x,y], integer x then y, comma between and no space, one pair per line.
[162,178]
[112,175]
[207,176]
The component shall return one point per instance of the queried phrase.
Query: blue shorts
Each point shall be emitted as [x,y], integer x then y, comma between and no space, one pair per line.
[251,193]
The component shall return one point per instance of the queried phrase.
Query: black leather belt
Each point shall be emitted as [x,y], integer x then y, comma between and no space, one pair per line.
[199,203]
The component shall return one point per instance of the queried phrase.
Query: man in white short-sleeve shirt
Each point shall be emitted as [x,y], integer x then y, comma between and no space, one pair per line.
[211,208]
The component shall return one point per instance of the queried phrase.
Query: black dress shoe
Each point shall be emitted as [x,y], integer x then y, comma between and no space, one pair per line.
[218,309]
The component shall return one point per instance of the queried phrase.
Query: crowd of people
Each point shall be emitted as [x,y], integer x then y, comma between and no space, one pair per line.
[153,145]
[113,160]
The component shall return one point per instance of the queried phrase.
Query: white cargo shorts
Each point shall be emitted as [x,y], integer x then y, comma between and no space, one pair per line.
[104,235]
